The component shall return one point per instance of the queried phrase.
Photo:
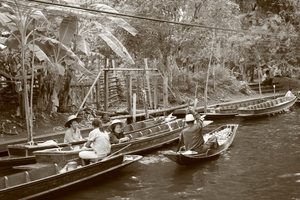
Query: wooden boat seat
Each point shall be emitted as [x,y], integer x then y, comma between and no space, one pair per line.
[278,101]
[137,126]
[31,175]
[11,180]
[142,138]
[272,103]
[31,166]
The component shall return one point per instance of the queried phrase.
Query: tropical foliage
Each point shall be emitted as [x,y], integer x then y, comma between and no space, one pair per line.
[56,44]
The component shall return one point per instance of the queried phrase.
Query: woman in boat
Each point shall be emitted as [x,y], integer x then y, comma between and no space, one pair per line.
[98,140]
[73,133]
[116,135]
[191,137]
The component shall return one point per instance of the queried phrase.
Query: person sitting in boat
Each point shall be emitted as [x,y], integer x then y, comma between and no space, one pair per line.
[116,129]
[98,140]
[289,93]
[217,109]
[267,79]
[73,133]
[191,137]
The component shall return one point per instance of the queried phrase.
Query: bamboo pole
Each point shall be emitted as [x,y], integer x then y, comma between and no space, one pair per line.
[207,76]
[91,88]
[31,89]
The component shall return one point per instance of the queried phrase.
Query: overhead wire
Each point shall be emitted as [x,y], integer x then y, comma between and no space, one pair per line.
[222,31]
[154,19]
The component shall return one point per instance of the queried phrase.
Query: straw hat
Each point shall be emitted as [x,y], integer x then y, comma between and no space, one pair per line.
[71,118]
[189,118]
[116,121]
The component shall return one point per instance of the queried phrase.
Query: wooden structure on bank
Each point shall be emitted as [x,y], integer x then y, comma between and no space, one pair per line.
[133,86]
[114,85]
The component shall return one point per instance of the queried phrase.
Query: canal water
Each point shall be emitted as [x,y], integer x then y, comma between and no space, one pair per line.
[262,163]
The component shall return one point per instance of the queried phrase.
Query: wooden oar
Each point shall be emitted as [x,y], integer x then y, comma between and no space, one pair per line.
[116,152]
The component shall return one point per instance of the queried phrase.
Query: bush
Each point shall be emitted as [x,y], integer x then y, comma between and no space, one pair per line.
[186,82]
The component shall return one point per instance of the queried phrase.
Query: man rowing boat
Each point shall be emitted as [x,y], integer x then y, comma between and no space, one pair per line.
[191,137]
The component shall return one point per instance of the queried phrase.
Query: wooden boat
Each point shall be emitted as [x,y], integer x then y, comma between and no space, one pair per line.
[59,136]
[225,136]
[141,141]
[20,154]
[228,105]
[266,108]
[48,181]
[222,111]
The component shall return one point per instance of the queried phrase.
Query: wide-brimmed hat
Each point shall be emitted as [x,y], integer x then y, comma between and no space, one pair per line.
[189,118]
[72,118]
[116,121]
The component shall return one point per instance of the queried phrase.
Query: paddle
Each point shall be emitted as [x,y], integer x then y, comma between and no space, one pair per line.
[116,152]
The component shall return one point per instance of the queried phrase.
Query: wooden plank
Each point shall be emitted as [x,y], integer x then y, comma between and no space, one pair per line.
[155,92]
[129,93]
[148,83]
[114,66]
[134,108]
[98,94]
[31,166]
[106,90]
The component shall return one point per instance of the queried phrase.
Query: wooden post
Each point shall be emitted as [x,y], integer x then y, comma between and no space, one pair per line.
[98,87]
[155,92]
[98,95]
[114,66]
[148,83]
[106,92]
[165,90]
[168,86]
[145,103]
[134,107]
[129,93]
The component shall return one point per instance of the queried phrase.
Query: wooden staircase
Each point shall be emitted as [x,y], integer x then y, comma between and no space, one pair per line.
[265,89]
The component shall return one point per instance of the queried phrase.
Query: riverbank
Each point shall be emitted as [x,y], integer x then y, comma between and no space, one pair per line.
[46,125]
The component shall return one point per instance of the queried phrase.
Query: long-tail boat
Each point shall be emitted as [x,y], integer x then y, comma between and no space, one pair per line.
[140,142]
[267,108]
[48,181]
[21,154]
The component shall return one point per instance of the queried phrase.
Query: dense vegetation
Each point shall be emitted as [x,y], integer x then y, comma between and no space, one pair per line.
[184,39]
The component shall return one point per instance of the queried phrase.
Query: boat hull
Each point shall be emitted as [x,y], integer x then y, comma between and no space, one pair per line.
[47,181]
[141,142]
[184,159]
[20,154]
[230,110]
[270,107]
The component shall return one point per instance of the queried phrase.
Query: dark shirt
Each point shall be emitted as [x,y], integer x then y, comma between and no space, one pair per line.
[192,137]
[114,137]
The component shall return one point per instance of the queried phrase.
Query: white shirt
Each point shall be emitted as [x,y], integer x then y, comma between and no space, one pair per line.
[289,94]
[100,141]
